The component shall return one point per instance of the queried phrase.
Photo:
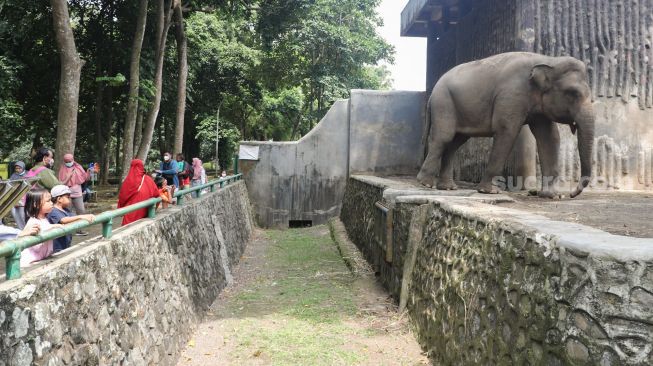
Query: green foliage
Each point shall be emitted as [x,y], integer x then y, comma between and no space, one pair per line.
[272,67]
[117,80]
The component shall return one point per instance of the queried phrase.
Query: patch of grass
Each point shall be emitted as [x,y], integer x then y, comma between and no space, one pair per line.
[297,342]
[307,301]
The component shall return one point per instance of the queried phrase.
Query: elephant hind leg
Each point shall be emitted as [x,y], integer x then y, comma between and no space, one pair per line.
[443,130]
[445,182]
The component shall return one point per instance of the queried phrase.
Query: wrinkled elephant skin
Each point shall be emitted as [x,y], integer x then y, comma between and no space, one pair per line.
[495,97]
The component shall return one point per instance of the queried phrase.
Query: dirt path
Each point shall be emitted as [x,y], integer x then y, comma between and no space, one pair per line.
[294,302]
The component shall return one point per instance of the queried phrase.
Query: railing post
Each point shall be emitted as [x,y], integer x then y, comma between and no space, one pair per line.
[222,184]
[13,266]
[212,187]
[235,163]
[199,193]
[151,211]
[180,200]
[106,228]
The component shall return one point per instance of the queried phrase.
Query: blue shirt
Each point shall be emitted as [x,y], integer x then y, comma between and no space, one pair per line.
[54,217]
[170,169]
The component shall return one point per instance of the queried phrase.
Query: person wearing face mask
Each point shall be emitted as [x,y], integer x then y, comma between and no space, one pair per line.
[43,163]
[18,211]
[168,170]
[73,175]
[45,178]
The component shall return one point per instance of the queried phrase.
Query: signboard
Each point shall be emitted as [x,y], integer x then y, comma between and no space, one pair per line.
[248,152]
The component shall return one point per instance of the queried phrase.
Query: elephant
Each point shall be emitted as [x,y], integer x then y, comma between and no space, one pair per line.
[495,97]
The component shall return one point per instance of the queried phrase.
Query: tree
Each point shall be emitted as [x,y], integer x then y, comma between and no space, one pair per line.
[274,66]
[134,85]
[164,16]
[182,77]
[71,68]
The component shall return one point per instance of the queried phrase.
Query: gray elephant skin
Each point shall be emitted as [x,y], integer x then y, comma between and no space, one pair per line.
[495,97]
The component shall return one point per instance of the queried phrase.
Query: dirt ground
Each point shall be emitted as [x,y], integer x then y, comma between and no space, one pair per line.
[620,213]
[294,302]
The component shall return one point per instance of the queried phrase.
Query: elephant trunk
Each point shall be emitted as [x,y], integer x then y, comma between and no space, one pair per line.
[585,123]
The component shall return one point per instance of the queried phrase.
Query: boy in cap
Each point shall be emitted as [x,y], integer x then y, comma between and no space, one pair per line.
[60,214]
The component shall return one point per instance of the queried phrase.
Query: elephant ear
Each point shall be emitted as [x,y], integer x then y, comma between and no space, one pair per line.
[541,76]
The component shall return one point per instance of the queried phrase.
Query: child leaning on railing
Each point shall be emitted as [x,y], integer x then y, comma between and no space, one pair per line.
[38,205]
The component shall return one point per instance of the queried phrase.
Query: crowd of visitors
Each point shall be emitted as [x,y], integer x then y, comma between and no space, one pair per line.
[55,200]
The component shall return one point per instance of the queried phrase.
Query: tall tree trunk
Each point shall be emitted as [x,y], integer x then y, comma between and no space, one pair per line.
[71,67]
[134,85]
[105,162]
[181,81]
[101,135]
[138,131]
[111,124]
[160,127]
[164,16]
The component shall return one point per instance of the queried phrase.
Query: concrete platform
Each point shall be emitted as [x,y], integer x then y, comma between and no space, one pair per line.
[628,213]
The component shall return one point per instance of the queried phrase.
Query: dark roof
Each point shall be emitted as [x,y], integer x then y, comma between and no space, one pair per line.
[417,15]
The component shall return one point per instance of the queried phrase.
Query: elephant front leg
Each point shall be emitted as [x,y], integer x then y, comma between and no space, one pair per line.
[504,139]
[548,149]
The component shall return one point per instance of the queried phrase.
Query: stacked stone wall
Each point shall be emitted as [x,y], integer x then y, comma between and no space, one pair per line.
[495,286]
[133,299]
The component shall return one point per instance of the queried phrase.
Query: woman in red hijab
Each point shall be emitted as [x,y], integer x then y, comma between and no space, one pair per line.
[137,187]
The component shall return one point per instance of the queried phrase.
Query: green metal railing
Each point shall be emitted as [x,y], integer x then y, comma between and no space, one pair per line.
[11,249]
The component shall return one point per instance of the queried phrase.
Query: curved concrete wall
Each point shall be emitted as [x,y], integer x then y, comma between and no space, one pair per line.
[302,180]
[375,132]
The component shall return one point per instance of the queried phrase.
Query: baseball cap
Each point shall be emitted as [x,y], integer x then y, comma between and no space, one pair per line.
[59,190]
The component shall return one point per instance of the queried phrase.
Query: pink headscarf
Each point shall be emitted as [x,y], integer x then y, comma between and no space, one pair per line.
[197,169]
[74,175]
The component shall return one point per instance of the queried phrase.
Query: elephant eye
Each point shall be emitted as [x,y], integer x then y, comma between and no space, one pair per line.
[572,93]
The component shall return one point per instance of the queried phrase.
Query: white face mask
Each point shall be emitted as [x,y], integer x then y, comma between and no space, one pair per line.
[166,157]
[51,163]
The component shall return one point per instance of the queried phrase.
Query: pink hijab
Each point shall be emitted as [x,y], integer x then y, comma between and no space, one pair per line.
[197,169]
[76,173]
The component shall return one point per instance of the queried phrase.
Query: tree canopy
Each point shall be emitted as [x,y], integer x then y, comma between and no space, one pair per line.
[270,68]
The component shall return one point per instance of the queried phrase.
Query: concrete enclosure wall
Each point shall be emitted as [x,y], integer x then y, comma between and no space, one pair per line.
[133,299]
[302,180]
[489,285]
[386,132]
[377,132]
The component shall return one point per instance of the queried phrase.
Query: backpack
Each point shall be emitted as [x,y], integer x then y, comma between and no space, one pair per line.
[30,174]
[187,172]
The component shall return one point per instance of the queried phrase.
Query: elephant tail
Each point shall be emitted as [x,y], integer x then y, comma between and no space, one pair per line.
[426,129]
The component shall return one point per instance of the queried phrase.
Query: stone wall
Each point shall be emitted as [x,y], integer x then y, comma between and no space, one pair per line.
[133,299]
[489,285]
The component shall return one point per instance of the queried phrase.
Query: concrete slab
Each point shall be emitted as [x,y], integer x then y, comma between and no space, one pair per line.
[406,189]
